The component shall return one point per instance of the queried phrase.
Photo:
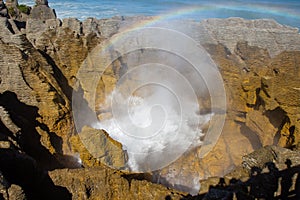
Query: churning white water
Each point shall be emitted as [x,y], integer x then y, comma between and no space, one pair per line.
[164,76]
[163,127]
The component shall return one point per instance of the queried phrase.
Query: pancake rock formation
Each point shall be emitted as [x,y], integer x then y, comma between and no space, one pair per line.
[42,155]
[42,11]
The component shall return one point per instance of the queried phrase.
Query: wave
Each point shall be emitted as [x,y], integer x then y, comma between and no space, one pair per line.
[285,12]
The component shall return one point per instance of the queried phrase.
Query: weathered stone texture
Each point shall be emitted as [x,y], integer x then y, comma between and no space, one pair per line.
[103,183]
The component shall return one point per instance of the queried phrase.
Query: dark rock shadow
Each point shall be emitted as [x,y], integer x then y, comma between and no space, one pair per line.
[20,169]
[20,24]
[28,165]
[259,186]
[59,76]
[25,117]
[251,136]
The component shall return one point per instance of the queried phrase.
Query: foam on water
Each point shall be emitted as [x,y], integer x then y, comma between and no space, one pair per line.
[142,114]
[285,12]
[165,77]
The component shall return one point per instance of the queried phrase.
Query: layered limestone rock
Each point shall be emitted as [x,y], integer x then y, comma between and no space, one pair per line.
[68,41]
[104,183]
[256,115]
[41,11]
[102,147]
[275,154]
[13,10]
[266,34]
[258,59]
[16,11]
[35,104]
[250,54]
[16,192]
[261,159]
[249,114]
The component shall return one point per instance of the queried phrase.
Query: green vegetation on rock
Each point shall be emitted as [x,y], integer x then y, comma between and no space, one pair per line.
[23,8]
[11,11]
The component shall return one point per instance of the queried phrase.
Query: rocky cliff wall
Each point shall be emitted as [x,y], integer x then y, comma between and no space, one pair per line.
[258,59]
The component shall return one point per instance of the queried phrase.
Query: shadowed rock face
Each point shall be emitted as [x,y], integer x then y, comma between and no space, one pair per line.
[271,170]
[3,9]
[259,61]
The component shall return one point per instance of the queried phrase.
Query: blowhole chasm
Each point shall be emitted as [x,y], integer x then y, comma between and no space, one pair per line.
[159,105]
[155,112]
[160,140]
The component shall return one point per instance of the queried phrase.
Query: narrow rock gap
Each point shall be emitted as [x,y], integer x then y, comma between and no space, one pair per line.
[59,76]
[24,116]
[20,169]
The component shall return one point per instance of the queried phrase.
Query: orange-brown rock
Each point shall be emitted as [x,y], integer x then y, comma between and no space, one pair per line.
[30,87]
[104,183]
[98,145]
[254,69]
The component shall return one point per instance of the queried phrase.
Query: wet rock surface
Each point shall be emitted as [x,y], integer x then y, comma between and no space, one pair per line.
[258,59]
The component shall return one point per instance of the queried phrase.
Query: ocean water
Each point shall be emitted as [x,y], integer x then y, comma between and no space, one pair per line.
[285,12]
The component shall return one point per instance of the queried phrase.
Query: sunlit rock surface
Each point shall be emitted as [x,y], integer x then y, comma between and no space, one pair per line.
[107,150]
[104,183]
[41,11]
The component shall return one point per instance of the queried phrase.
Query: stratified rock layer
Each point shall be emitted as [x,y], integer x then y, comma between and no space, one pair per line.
[103,148]
[42,11]
[103,183]
[274,165]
